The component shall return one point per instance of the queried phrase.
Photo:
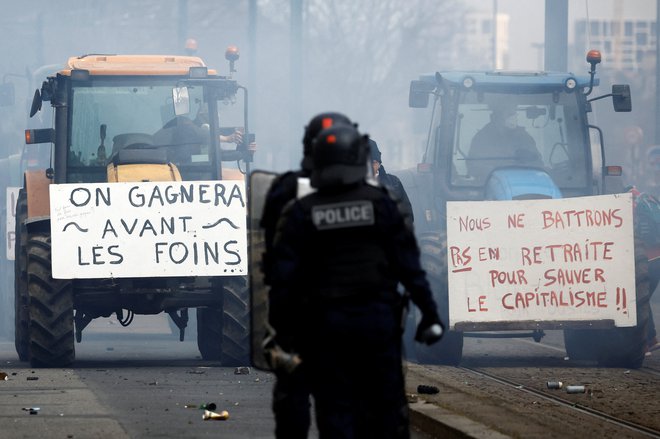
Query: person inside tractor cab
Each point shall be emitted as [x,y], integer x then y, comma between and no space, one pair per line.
[501,142]
[202,120]
[184,138]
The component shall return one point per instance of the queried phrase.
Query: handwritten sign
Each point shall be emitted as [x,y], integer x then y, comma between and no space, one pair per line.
[12,196]
[148,229]
[542,260]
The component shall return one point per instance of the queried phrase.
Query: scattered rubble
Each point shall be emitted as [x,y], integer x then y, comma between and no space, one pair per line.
[427,390]
[554,384]
[575,389]
[213,416]
[243,370]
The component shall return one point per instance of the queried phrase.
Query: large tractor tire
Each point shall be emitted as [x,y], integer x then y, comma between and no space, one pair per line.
[6,287]
[581,344]
[617,347]
[626,346]
[209,333]
[224,334]
[21,298]
[51,308]
[449,350]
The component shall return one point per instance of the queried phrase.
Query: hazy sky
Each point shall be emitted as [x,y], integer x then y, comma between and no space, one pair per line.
[526,24]
[356,80]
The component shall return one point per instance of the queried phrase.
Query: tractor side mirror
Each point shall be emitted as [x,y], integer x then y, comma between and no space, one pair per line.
[419,94]
[36,103]
[621,99]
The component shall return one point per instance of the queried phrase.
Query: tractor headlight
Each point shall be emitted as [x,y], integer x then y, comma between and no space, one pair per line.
[570,83]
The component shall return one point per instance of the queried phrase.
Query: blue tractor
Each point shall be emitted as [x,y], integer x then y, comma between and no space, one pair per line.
[555,153]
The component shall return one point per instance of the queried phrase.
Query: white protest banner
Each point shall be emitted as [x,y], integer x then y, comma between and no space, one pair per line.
[12,196]
[149,229]
[542,260]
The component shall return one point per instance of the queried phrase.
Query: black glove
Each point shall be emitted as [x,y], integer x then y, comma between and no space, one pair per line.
[277,358]
[430,329]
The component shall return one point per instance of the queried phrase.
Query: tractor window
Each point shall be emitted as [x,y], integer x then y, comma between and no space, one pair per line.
[541,130]
[105,119]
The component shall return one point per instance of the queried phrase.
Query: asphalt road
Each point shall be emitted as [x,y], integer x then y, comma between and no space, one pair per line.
[518,402]
[133,383]
[136,383]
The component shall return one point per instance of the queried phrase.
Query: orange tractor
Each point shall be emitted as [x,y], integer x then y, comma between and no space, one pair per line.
[149,123]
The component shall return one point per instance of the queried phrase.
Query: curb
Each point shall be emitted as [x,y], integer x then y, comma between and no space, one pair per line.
[438,422]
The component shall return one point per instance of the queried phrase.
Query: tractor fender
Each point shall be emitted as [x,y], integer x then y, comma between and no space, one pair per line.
[38,200]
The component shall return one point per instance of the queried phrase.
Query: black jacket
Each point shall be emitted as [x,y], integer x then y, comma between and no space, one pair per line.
[392,182]
[351,244]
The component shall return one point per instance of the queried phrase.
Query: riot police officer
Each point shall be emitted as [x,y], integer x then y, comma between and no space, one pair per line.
[284,188]
[291,393]
[390,181]
[339,254]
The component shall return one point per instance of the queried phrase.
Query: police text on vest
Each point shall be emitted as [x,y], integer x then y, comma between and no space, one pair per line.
[343,215]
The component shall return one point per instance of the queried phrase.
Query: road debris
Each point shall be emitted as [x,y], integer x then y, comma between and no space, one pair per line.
[427,390]
[243,370]
[554,384]
[412,398]
[31,410]
[575,389]
[32,378]
[3,376]
[213,416]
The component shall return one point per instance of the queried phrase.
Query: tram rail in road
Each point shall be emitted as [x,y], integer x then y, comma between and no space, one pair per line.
[566,403]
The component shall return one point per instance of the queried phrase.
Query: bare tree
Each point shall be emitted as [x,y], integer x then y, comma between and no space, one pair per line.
[359,57]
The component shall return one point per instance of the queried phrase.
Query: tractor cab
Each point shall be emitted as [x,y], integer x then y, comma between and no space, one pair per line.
[512,135]
[112,111]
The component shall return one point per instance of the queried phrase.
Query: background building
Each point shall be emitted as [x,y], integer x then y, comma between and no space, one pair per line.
[624,42]
[479,41]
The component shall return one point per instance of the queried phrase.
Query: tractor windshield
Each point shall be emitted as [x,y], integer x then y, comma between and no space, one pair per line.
[108,116]
[541,130]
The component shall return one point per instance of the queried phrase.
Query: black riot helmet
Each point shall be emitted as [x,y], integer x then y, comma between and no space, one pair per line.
[340,157]
[375,152]
[313,128]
